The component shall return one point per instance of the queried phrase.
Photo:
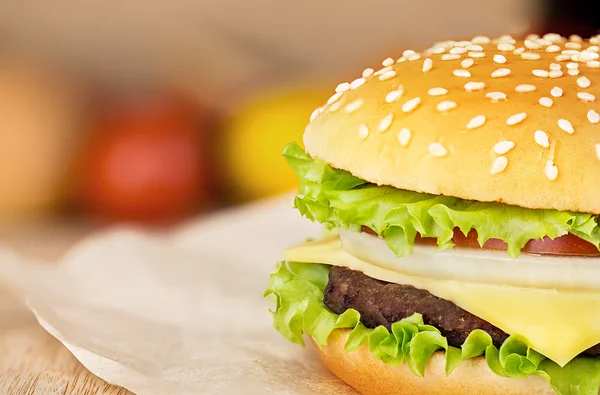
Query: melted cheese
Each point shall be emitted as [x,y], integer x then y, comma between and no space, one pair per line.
[559,324]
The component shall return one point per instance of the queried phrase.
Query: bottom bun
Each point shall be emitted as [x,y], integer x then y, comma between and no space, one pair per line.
[369,375]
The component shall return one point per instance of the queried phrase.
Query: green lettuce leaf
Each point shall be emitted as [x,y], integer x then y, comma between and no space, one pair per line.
[298,292]
[340,200]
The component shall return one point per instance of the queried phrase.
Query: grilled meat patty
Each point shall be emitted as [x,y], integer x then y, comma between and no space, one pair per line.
[383,303]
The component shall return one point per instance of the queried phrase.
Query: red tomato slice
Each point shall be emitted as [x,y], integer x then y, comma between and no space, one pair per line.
[568,244]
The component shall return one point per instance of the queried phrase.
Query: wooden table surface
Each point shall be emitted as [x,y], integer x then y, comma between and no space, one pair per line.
[32,361]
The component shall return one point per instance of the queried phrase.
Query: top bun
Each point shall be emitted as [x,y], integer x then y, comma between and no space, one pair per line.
[488,120]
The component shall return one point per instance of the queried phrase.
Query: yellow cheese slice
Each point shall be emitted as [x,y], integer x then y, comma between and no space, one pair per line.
[559,324]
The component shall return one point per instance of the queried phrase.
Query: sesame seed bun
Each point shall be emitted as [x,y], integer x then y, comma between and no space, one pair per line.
[368,375]
[488,120]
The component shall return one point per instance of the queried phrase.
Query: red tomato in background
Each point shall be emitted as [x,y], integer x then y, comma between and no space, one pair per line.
[147,160]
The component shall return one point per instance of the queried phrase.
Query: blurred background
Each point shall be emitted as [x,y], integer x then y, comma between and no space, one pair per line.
[155,112]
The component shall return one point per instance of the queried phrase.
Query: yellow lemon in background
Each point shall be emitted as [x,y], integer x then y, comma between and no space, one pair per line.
[255,137]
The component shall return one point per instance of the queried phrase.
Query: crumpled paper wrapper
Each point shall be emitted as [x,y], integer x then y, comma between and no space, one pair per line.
[177,313]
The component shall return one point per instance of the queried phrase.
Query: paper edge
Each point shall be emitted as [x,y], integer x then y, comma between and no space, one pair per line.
[102,365]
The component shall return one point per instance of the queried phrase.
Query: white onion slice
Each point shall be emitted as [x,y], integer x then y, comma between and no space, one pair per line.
[482,266]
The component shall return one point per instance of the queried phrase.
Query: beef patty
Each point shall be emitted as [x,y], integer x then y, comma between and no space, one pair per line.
[383,303]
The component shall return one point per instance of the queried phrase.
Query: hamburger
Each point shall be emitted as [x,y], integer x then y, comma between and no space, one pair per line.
[460,190]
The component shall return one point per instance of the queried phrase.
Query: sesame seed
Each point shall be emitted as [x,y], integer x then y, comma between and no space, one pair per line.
[506,38]
[462,73]
[519,51]
[383,70]
[530,56]
[387,75]
[572,65]
[363,131]
[482,40]
[367,72]
[404,137]
[437,150]
[446,105]
[437,91]
[335,106]
[475,48]
[546,101]
[394,95]
[565,126]
[438,50]
[556,91]
[385,123]
[586,97]
[466,63]
[593,64]
[445,44]
[540,73]
[576,38]
[502,147]
[552,48]
[411,104]
[476,55]
[598,151]
[409,52]
[388,62]
[555,74]
[552,37]
[532,44]
[516,118]
[357,83]
[583,82]
[593,48]
[315,114]
[551,170]
[334,98]
[572,45]
[569,52]
[505,47]
[593,116]
[562,58]
[449,56]
[522,88]
[427,65]
[355,105]
[500,59]
[476,122]
[573,72]
[499,165]
[414,57]
[541,138]
[343,87]
[495,97]
[458,50]
[555,66]
[586,55]
[501,73]
[472,86]
[544,43]
[464,43]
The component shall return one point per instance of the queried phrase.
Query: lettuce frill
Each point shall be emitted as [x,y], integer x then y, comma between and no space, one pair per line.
[340,200]
[297,289]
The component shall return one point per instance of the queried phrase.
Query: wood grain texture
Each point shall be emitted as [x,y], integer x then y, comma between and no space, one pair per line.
[32,362]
